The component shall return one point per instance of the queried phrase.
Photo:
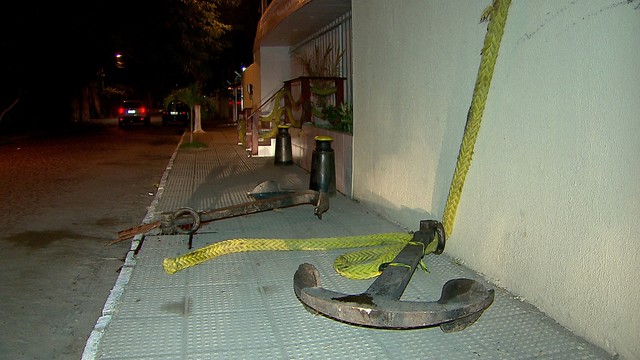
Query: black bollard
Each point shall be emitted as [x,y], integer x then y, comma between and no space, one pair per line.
[323,166]
[283,146]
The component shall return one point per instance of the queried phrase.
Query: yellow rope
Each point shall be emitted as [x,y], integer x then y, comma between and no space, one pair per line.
[363,264]
[280,109]
[381,248]
[497,16]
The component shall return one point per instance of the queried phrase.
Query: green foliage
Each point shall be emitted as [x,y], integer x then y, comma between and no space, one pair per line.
[346,118]
[191,95]
[321,64]
[331,114]
[193,145]
[200,31]
[340,117]
[113,93]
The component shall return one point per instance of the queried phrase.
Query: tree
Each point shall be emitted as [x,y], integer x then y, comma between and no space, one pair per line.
[192,96]
[47,60]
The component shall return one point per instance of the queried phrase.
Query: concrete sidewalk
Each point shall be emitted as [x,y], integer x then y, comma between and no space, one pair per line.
[242,306]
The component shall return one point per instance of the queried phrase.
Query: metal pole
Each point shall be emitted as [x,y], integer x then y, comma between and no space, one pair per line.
[235,104]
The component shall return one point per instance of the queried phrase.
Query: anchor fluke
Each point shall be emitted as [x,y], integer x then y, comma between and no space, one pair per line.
[461,303]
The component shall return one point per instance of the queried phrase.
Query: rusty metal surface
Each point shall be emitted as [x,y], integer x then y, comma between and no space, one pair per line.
[187,221]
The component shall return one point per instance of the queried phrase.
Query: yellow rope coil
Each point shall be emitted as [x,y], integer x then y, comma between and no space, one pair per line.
[276,114]
[363,264]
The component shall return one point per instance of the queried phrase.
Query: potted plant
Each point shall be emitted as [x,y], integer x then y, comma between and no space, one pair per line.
[321,64]
[345,113]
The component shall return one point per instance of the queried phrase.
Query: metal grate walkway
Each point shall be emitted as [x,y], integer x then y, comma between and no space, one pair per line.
[242,306]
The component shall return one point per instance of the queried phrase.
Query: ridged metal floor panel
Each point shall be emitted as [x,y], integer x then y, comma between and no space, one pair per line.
[242,305]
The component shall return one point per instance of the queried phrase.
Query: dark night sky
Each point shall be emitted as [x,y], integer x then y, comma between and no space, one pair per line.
[56,47]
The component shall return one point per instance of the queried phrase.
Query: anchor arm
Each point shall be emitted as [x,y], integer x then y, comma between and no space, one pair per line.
[365,310]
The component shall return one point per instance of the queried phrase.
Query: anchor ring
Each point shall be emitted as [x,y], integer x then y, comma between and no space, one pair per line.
[186,211]
[439,229]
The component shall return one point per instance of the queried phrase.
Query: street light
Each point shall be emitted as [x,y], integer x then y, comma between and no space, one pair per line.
[119,61]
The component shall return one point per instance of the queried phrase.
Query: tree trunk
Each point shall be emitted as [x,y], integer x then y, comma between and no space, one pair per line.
[198,122]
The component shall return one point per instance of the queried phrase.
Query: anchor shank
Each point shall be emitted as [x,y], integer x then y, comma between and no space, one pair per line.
[395,277]
[287,200]
[281,201]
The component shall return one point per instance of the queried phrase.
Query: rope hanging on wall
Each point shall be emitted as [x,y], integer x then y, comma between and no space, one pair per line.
[497,17]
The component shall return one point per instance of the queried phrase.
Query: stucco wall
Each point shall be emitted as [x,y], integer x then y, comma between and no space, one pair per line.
[550,205]
[277,60]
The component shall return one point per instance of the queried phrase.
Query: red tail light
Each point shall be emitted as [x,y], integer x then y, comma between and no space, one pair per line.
[143,110]
[120,111]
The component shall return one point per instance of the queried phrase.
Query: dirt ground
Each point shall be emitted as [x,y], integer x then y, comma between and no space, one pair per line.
[64,197]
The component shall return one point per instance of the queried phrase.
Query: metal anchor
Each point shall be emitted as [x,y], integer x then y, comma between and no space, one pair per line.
[268,194]
[461,303]
[267,200]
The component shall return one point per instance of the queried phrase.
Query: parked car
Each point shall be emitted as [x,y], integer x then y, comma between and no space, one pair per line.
[133,112]
[178,112]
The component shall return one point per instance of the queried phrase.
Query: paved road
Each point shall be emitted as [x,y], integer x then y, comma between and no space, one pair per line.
[64,196]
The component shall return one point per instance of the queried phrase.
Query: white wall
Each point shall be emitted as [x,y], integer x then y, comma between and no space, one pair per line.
[550,205]
[277,60]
